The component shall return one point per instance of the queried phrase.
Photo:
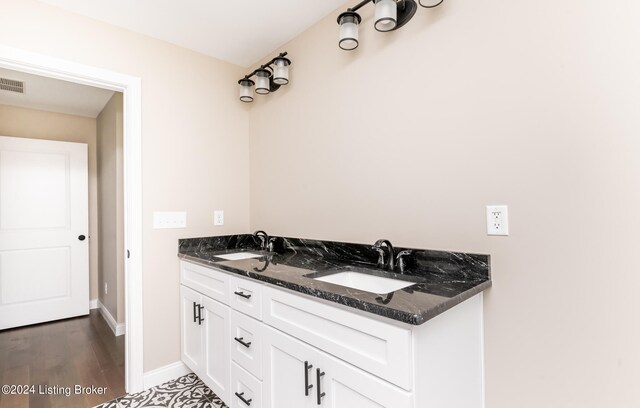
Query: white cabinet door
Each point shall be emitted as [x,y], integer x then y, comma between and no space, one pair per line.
[289,368]
[192,353]
[345,386]
[332,382]
[44,246]
[215,331]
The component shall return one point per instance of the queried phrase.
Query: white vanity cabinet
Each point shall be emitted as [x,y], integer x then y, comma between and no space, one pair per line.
[288,350]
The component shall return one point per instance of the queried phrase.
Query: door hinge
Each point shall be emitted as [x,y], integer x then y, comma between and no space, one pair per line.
[128,254]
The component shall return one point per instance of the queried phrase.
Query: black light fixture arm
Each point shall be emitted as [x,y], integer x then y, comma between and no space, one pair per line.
[359,5]
[364,2]
[401,4]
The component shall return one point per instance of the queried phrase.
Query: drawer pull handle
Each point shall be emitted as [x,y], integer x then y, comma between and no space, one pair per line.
[195,316]
[321,394]
[242,294]
[200,318]
[239,340]
[246,401]
[307,386]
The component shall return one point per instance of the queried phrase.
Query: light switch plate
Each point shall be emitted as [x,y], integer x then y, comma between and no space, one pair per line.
[497,220]
[218,218]
[176,219]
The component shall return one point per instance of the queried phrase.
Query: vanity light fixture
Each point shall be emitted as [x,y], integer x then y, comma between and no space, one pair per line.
[349,21]
[263,81]
[389,15]
[281,72]
[386,15]
[246,90]
[268,78]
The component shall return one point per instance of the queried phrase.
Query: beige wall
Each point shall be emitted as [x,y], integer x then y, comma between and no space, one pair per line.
[37,124]
[111,206]
[194,140]
[530,104]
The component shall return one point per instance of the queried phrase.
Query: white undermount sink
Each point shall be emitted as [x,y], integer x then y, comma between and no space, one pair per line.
[365,281]
[236,256]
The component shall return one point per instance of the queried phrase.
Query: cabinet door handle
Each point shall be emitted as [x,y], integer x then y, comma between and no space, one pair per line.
[200,318]
[320,394]
[195,317]
[242,294]
[307,386]
[239,340]
[246,401]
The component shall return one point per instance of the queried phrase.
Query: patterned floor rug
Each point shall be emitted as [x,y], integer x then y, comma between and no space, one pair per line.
[185,392]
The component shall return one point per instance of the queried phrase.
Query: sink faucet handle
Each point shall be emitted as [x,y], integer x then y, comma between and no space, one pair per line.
[264,238]
[400,259]
[390,265]
[380,256]
[271,244]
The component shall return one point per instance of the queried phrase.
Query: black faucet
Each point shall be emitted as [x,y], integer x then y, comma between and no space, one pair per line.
[264,239]
[390,259]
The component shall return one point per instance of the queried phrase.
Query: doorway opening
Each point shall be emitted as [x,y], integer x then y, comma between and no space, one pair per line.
[131,246]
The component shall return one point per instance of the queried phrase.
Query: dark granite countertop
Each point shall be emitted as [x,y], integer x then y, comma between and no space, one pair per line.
[443,279]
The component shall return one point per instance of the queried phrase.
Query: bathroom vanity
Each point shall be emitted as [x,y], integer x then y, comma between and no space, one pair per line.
[300,324]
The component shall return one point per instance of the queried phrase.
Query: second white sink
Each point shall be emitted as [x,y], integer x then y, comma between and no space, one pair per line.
[366,282]
[239,255]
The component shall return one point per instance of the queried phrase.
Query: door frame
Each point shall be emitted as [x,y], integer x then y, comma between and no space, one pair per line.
[52,67]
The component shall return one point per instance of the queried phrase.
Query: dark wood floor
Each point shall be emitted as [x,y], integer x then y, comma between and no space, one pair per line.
[80,351]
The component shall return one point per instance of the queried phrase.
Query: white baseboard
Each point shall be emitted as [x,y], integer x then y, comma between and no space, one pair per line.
[163,374]
[93,304]
[117,329]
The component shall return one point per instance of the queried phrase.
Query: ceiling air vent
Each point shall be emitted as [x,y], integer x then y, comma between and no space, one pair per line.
[11,85]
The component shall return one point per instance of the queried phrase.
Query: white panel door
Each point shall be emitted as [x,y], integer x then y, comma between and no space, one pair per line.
[44,251]
[345,386]
[216,370]
[192,353]
[289,371]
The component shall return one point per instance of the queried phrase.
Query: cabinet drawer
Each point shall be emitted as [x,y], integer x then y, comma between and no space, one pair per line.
[377,347]
[246,343]
[246,390]
[205,280]
[246,296]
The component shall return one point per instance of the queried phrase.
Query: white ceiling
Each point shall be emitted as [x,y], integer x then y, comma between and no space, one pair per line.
[237,31]
[54,95]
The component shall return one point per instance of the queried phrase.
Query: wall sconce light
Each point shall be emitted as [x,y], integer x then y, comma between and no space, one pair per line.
[246,90]
[389,15]
[269,77]
[349,21]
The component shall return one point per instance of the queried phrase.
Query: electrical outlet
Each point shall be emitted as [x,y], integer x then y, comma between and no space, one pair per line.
[106,288]
[497,220]
[218,217]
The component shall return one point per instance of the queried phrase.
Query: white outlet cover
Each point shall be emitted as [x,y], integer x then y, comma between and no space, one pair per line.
[497,220]
[175,219]
[218,217]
